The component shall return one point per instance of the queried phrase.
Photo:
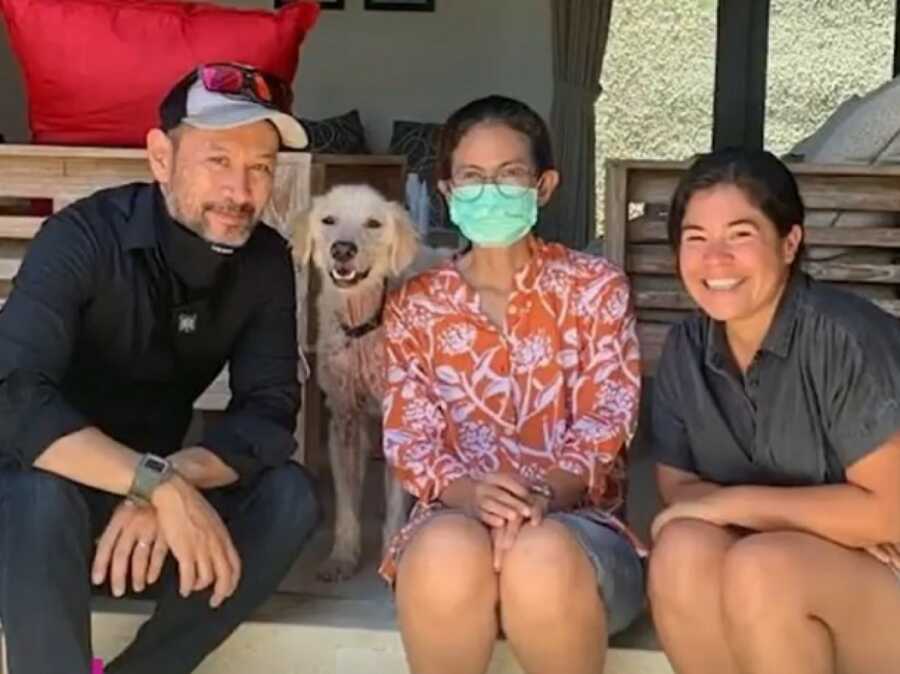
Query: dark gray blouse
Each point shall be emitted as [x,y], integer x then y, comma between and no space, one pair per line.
[823,392]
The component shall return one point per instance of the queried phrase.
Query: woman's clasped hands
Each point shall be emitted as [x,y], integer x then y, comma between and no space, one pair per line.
[505,502]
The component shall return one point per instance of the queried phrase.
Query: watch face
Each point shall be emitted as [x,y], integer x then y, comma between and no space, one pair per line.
[154,464]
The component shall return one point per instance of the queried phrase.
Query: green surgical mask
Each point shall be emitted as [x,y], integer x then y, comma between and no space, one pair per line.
[493,218]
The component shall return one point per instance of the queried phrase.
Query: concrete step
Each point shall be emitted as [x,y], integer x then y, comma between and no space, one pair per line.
[294,634]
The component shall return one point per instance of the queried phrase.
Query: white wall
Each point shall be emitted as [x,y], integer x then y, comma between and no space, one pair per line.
[393,65]
[421,66]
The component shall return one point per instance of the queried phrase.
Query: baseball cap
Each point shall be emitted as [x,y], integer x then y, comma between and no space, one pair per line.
[227,95]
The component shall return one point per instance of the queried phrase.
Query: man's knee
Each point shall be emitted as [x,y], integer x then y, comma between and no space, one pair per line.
[35,497]
[43,516]
[287,496]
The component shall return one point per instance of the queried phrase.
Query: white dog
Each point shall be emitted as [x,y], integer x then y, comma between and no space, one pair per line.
[363,245]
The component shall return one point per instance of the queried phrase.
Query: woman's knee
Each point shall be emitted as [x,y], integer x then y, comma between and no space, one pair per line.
[761,572]
[687,554]
[547,569]
[447,566]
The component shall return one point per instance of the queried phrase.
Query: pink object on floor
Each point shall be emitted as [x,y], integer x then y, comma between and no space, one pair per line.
[96,666]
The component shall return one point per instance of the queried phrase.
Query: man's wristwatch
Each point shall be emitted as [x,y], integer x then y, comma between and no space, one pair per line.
[151,471]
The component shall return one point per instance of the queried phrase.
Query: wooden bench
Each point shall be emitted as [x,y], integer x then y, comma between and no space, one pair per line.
[36,181]
[864,259]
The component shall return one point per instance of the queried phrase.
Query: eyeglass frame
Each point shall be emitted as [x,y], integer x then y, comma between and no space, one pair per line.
[533,175]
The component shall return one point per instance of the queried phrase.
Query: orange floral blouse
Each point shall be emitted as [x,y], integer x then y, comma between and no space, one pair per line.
[557,387]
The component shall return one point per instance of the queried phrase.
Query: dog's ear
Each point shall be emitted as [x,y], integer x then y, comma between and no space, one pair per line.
[406,239]
[303,238]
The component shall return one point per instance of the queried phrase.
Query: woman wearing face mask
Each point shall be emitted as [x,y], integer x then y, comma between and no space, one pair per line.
[513,384]
[776,427]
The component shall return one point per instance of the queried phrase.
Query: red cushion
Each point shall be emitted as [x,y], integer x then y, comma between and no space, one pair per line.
[97,70]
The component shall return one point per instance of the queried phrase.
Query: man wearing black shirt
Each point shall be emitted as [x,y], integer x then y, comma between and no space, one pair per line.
[126,307]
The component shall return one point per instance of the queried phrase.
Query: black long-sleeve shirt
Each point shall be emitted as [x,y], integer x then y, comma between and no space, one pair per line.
[119,318]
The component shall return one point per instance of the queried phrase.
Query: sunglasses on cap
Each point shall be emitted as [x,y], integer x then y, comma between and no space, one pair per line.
[252,84]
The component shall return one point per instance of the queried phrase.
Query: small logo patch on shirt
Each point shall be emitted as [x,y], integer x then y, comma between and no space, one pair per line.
[187,323]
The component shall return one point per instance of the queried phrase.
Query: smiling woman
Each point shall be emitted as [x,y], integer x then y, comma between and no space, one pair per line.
[776,430]
[738,237]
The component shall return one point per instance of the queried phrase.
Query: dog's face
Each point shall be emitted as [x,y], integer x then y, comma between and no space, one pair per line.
[355,237]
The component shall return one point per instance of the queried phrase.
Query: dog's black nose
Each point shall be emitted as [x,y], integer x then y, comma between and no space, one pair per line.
[343,251]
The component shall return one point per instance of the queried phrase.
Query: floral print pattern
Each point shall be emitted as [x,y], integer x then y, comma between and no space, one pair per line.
[556,387]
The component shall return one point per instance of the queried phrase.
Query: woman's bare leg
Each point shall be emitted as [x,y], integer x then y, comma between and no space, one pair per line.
[447,597]
[797,603]
[685,587]
[550,609]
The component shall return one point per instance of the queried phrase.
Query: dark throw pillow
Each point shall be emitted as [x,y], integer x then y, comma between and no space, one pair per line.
[343,134]
[418,142]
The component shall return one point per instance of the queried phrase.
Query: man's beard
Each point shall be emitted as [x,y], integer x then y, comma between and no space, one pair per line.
[202,228]
[238,234]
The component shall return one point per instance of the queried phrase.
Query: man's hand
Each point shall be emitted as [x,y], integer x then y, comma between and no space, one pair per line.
[131,539]
[198,540]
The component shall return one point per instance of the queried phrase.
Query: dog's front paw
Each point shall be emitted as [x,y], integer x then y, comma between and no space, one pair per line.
[335,569]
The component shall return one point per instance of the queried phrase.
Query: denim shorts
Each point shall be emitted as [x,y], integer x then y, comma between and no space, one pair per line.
[620,570]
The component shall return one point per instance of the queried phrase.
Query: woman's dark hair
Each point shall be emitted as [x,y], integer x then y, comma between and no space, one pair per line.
[763,178]
[499,110]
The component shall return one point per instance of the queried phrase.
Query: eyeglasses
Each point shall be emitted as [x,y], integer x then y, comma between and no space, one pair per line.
[509,181]
[236,80]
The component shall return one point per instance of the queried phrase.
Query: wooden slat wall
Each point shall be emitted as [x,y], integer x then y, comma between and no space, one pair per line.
[868,261]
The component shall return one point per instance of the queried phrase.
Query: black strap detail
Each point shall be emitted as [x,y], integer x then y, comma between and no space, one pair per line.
[363,329]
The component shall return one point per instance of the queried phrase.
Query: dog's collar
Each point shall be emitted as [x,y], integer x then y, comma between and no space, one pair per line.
[357,331]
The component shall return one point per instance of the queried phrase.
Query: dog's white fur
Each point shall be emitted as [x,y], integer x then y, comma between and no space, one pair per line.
[351,369]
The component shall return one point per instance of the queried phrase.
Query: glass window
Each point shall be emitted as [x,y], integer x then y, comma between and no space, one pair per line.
[658,79]
[820,53]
